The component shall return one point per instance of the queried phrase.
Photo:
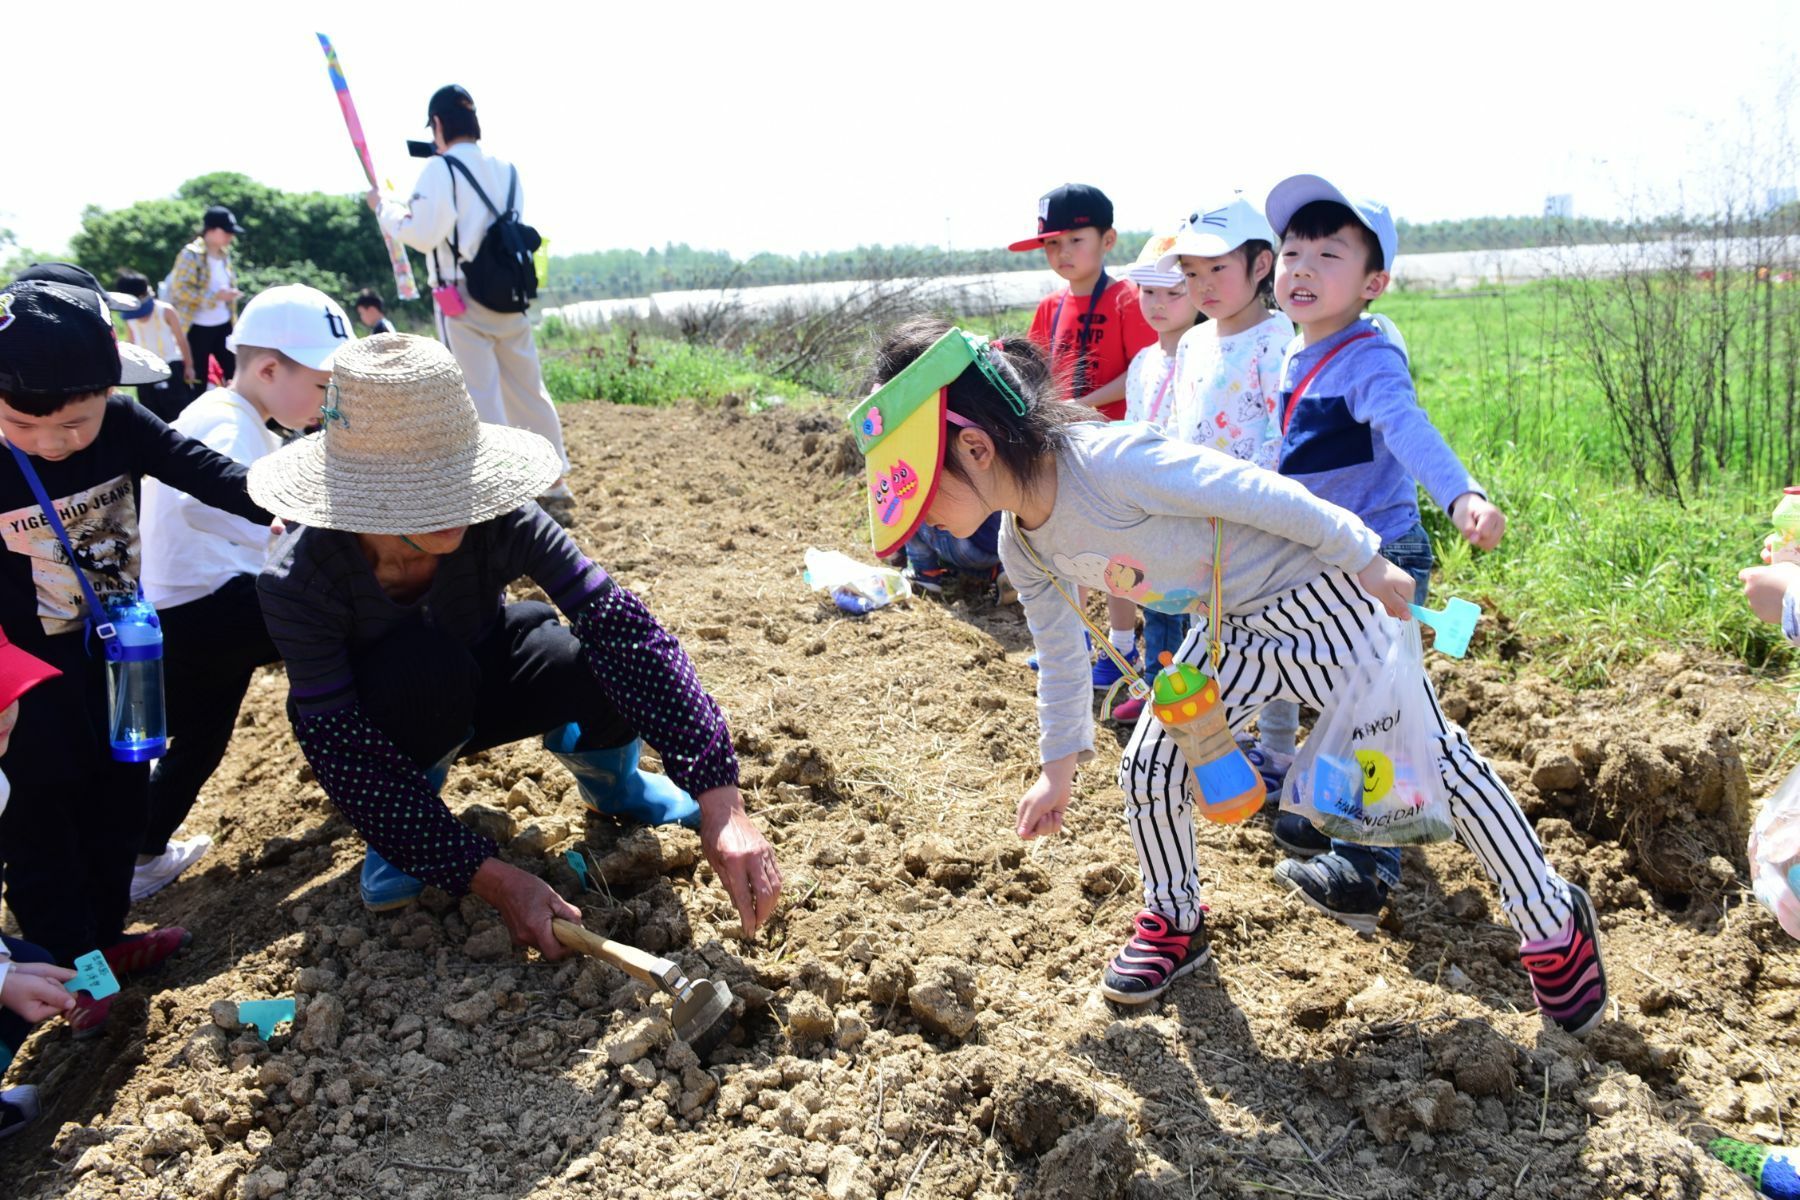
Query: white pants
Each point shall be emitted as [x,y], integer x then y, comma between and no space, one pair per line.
[1300,648]
[499,363]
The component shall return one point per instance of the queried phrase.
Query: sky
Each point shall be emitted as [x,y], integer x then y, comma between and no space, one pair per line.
[814,127]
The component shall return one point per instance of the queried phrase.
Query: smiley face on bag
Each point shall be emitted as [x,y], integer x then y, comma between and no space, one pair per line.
[1377,774]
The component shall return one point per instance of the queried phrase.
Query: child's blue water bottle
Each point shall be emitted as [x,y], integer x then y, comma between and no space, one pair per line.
[134,682]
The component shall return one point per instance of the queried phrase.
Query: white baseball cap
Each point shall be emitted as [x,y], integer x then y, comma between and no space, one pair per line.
[1210,233]
[302,322]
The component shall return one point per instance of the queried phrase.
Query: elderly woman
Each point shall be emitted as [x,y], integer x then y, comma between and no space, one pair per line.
[402,653]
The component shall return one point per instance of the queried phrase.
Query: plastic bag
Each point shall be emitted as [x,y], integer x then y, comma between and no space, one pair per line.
[1775,854]
[855,587]
[1371,771]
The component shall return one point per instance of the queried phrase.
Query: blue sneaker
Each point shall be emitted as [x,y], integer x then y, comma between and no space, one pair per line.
[1332,885]
[1106,671]
[1271,765]
[1296,835]
[385,886]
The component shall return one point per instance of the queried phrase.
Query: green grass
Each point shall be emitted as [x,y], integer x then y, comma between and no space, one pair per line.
[1593,572]
[616,367]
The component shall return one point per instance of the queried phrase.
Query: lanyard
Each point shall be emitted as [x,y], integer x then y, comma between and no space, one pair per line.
[1133,680]
[1306,380]
[1086,321]
[1156,404]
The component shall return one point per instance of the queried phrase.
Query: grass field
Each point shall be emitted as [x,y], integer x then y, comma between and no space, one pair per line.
[1593,573]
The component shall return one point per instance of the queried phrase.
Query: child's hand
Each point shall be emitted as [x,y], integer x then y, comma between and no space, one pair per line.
[35,990]
[1041,809]
[1765,586]
[1480,523]
[1388,585]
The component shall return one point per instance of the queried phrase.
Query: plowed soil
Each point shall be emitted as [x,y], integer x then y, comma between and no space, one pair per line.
[920,1019]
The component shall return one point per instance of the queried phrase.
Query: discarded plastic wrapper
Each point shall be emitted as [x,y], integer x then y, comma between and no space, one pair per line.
[94,976]
[855,587]
[1455,625]
[265,1015]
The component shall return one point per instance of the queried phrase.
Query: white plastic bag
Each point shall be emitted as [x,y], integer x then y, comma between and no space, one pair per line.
[1775,854]
[855,587]
[1372,770]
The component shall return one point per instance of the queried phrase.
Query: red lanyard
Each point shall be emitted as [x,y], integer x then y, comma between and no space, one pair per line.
[1306,382]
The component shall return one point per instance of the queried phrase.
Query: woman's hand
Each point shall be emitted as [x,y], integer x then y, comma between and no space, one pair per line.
[1764,588]
[526,904]
[35,990]
[1391,587]
[1041,808]
[740,856]
[373,199]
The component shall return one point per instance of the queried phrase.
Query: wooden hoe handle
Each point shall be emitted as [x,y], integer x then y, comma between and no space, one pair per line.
[639,964]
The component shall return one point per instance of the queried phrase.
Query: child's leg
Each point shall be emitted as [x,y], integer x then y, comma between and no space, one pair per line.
[1155,778]
[211,649]
[1277,726]
[1162,631]
[71,832]
[1314,636]
[1121,615]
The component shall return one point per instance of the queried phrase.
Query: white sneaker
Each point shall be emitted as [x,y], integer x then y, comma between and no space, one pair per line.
[166,867]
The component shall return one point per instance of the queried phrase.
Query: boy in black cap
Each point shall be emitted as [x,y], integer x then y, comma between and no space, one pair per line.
[70,835]
[1092,330]
[203,287]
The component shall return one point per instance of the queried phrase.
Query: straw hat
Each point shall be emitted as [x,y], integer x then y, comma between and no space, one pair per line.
[402,450]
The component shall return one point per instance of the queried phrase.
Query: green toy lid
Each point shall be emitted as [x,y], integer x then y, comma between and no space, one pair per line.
[1178,682]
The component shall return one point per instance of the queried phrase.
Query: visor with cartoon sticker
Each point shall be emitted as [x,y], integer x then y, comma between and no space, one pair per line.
[900,431]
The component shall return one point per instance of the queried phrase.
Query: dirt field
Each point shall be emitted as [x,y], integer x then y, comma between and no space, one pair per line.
[921,1019]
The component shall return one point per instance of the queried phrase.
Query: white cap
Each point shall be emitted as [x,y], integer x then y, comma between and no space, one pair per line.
[302,322]
[1215,232]
[1148,270]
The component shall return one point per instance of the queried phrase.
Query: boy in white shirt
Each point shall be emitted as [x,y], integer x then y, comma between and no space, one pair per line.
[201,564]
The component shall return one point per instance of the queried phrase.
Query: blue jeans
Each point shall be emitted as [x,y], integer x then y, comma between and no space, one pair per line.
[933,549]
[1162,631]
[1411,552]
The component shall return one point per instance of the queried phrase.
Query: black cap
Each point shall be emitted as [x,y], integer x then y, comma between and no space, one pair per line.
[448,99]
[74,276]
[219,217]
[55,339]
[1069,207]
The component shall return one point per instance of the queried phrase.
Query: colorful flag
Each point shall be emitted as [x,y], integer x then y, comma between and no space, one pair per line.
[403,277]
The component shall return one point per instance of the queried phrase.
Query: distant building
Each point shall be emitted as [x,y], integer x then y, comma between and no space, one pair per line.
[1559,207]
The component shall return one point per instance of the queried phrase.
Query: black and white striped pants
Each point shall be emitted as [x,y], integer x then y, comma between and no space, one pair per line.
[1303,647]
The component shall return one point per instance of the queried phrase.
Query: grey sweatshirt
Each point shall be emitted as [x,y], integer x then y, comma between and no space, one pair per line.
[1130,519]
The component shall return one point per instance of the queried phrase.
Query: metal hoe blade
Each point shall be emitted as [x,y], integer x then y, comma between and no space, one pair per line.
[702,1015]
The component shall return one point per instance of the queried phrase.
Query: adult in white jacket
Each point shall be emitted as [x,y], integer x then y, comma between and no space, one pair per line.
[445,220]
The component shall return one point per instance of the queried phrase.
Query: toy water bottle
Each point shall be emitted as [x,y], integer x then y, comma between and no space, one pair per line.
[134,682]
[1186,702]
[1783,545]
